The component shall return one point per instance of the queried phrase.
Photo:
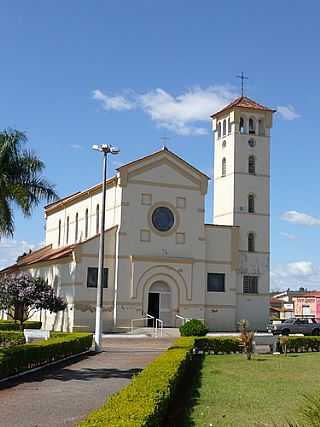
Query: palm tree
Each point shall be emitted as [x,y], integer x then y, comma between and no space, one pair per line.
[21,183]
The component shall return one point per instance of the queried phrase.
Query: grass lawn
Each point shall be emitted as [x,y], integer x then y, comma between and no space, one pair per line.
[266,391]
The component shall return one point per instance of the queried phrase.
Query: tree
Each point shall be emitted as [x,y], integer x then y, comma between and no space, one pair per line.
[21,296]
[21,182]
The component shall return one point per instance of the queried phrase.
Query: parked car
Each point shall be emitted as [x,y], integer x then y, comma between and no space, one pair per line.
[296,326]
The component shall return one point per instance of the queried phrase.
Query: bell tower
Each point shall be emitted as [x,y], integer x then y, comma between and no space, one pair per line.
[241,196]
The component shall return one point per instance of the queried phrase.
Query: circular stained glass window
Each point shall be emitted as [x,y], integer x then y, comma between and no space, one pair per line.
[162,218]
[251,143]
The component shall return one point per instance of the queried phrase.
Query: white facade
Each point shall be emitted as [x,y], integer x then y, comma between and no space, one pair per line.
[190,269]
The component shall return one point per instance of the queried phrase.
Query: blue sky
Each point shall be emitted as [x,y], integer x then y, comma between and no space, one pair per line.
[122,72]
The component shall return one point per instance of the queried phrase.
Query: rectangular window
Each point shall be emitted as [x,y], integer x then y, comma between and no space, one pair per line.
[92,277]
[250,284]
[216,282]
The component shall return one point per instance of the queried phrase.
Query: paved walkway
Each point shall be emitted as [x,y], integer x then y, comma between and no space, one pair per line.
[65,394]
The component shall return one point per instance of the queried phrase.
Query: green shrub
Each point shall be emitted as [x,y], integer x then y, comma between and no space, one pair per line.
[193,328]
[301,344]
[144,402]
[11,338]
[26,356]
[218,345]
[11,325]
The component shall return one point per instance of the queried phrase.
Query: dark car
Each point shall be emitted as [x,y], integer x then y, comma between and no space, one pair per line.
[296,326]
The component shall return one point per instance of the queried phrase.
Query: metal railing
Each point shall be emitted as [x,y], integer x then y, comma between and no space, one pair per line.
[144,319]
[183,319]
[158,326]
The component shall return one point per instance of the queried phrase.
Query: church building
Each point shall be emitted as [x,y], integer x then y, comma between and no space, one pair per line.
[161,258]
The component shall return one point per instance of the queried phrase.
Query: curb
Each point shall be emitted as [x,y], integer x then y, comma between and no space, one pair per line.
[47,365]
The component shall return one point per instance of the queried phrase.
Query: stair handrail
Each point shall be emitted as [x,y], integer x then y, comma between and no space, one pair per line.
[144,318]
[184,319]
[160,322]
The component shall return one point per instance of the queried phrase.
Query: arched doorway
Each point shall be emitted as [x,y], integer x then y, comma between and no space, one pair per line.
[159,302]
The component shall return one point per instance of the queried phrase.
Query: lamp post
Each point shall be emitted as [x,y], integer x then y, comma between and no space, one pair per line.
[105,149]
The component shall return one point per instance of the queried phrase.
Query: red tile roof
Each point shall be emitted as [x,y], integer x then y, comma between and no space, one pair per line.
[41,255]
[244,102]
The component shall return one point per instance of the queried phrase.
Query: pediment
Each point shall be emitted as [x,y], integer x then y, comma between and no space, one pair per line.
[166,169]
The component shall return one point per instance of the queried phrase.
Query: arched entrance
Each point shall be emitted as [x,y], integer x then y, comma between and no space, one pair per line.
[159,302]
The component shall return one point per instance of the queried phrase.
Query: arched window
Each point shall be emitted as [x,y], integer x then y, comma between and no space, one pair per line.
[86,224]
[252,126]
[261,127]
[59,233]
[219,130]
[76,229]
[229,126]
[251,203]
[67,231]
[224,128]
[251,242]
[224,167]
[241,125]
[252,165]
[97,219]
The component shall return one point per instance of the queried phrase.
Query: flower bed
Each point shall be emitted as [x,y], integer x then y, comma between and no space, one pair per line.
[26,356]
[144,402]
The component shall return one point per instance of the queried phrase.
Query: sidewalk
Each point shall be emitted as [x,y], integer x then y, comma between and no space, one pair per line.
[65,394]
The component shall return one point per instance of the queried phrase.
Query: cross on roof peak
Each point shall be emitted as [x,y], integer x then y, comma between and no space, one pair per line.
[242,77]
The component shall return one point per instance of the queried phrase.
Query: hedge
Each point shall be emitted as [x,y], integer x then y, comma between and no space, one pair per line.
[10,338]
[144,402]
[11,325]
[301,344]
[218,345]
[193,328]
[26,356]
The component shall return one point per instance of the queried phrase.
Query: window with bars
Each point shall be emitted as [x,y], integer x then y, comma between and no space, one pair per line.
[92,277]
[76,229]
[251,206]
[67,231]
[86,224]
[252,165]
[251,242]
[97,219]
[224,167]
[224,128]
[250,284]
[216,282]
[219,130]
[59,233]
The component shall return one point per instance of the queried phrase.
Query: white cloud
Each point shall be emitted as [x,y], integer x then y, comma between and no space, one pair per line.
[287,112]
[296,274]
[11,249]
[182,114]
[288,235]
[300,218]
[109,102]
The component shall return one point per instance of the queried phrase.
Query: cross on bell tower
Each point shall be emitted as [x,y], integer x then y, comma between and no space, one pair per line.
[242,77]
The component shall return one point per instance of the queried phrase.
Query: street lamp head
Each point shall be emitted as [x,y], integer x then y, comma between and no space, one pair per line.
[105,148]
[114,150]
